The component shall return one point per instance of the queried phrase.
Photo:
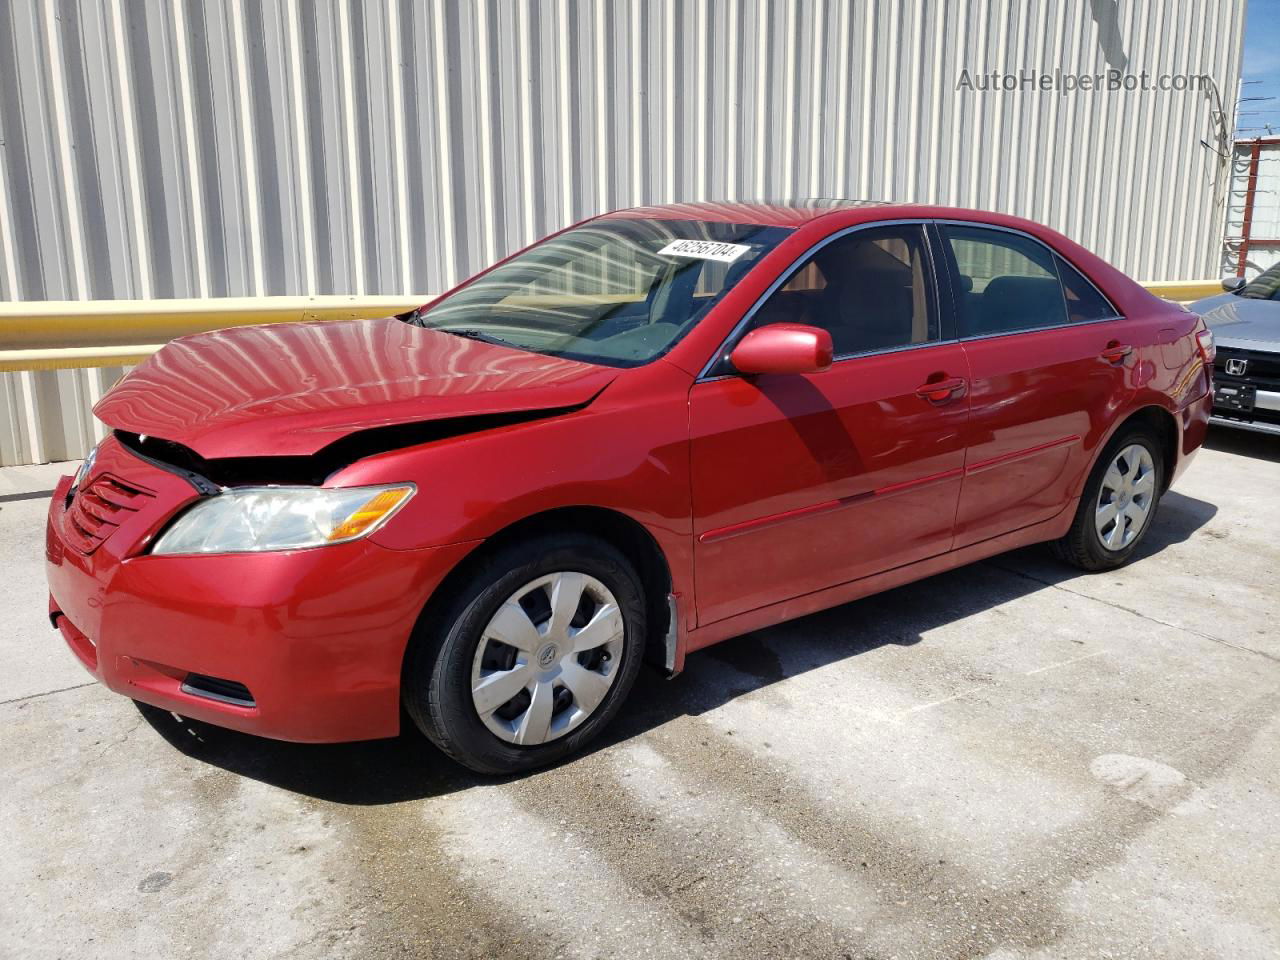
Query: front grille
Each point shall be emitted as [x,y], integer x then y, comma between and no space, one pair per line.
[98,509]
[215,688]
[1262,369]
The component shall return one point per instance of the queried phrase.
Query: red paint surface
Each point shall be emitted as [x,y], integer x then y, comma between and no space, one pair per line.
[292,388]
[777,445]
[783,348]
[769,497]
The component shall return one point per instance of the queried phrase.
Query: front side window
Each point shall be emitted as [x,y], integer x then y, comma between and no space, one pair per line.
[1004,282]
[618,292]
[869,289]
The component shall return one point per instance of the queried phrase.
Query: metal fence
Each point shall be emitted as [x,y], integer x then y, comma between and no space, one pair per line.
[240,148]
[1253,210]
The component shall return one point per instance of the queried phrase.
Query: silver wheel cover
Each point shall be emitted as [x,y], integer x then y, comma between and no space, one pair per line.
[547,658]
[1127,495]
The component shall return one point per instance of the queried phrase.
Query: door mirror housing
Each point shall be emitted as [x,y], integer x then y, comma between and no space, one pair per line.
[783,348]
[1232,284]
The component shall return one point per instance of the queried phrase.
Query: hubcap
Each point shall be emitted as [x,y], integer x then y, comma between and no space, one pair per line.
[1125,500]
[547,658]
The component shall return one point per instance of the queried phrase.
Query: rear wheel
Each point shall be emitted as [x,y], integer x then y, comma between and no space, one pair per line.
[533,658]
[1118,505]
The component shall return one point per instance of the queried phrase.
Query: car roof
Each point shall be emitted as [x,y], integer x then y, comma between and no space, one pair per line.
[813,218]
[772,213]
[797,213]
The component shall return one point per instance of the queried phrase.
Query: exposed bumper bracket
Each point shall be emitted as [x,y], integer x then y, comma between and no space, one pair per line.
[672,637]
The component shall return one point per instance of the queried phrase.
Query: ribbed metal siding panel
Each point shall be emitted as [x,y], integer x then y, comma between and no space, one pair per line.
[159,149]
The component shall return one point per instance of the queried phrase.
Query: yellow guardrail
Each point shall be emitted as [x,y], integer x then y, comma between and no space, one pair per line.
[1184,291]
[53,334]
[57,334]
[73,357]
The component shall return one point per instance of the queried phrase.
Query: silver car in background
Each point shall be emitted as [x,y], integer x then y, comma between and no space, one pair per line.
[1245,321]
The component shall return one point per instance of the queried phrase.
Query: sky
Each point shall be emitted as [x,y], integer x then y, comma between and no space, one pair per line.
[1261,62]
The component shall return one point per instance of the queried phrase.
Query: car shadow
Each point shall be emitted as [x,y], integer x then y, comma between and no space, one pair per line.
[1244,443]
[409,767]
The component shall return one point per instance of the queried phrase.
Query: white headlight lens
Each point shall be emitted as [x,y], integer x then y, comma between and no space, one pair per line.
[282,518]
[85,467]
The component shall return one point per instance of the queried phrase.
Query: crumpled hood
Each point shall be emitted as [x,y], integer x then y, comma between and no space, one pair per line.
[291,389]
[1241,322]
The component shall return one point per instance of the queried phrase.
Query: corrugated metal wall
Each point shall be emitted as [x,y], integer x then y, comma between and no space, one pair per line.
[159,148]
[1263,250]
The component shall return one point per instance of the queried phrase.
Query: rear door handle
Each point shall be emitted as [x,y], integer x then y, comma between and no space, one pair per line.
[1116,352]
[942,391]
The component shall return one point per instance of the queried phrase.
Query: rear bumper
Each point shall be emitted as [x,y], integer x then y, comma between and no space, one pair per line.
[1193,422]
[316,636]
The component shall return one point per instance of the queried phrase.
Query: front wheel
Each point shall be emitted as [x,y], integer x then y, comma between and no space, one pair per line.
[534,656]
[1118,505]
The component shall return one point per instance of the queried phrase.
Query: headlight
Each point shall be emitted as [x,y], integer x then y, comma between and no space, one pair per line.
[85,468]
[282,518]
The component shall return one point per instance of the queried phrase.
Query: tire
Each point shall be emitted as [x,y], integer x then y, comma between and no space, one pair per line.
[1085,545]
[446,658]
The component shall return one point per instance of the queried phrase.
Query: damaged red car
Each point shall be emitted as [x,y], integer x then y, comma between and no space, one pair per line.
[647,433]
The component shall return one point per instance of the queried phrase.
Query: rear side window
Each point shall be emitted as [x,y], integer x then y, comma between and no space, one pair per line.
[1004,282]
[870,289]
[1084,302]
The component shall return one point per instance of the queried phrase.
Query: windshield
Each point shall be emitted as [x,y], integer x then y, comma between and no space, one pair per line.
[1265,286]
[616,292]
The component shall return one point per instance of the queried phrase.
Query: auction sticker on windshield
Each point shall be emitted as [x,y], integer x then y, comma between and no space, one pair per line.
[705,250]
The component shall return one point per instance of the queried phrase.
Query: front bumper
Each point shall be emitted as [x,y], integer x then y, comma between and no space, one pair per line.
[1247,387]
[1254,426]
[1261,415]
[316,636]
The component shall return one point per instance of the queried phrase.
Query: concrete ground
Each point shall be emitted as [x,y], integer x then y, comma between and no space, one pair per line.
[1009,761]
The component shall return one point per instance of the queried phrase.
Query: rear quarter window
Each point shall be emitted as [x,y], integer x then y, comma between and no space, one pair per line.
[1084,302]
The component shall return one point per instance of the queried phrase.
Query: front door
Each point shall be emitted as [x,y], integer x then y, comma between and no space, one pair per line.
[802,482]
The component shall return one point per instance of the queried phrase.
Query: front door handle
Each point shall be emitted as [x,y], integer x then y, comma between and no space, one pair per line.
[943,391]
[1116,352]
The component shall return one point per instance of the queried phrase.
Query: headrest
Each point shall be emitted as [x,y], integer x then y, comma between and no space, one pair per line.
[1023,289]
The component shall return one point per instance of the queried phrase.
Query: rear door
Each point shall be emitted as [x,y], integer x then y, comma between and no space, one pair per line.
[802,482]
[1049,363]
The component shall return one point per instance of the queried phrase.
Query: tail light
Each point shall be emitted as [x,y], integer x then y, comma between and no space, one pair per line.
[1207,348]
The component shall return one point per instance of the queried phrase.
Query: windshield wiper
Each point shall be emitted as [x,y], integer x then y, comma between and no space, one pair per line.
[471,334]
[413,317]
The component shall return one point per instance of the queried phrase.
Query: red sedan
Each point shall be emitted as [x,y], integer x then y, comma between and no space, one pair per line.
[654,430]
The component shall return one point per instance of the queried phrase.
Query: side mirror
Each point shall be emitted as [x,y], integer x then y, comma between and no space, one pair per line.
[1231,284]
[783,348]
